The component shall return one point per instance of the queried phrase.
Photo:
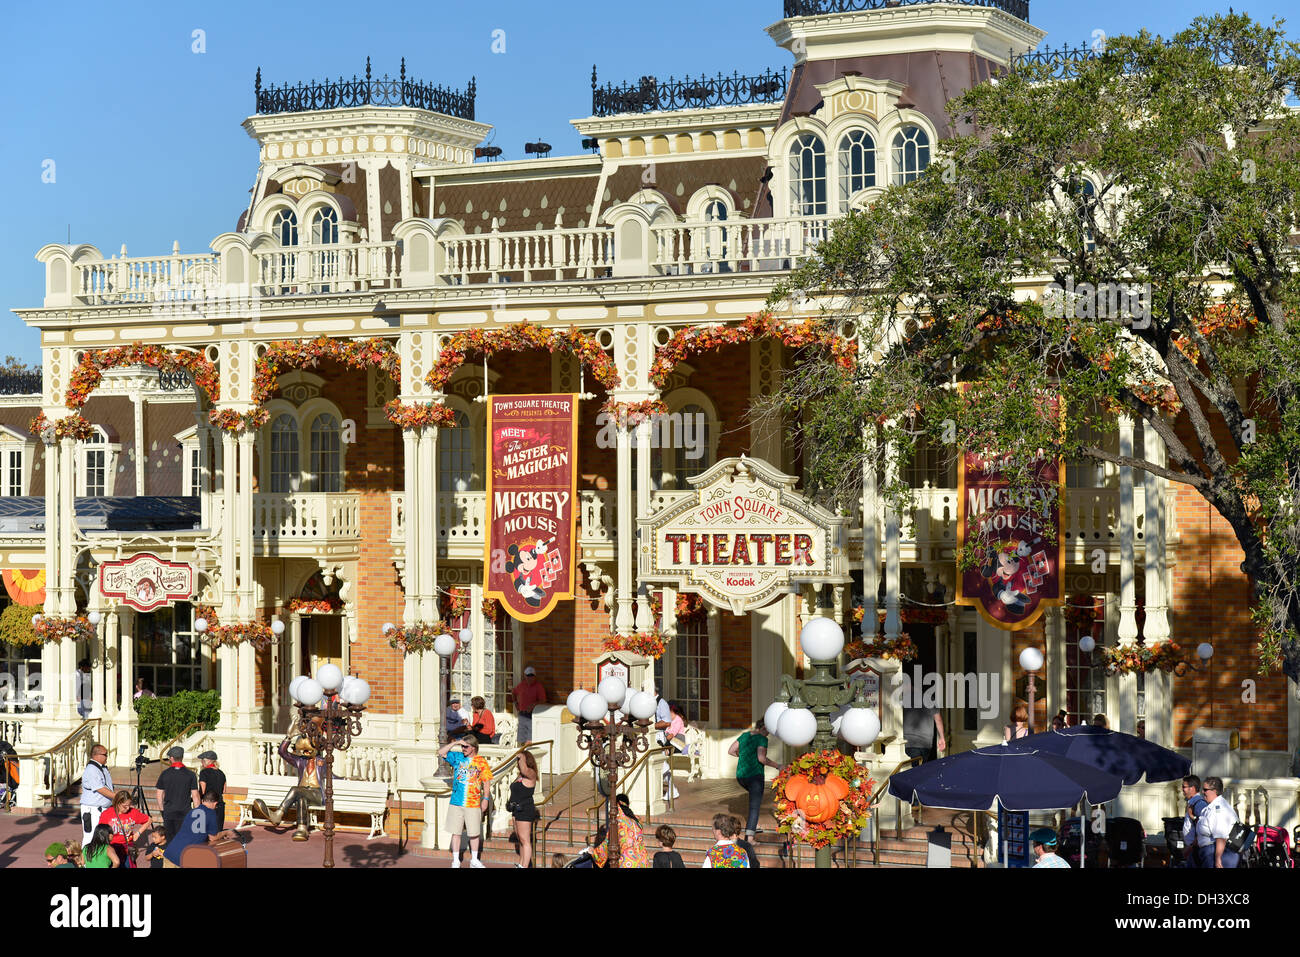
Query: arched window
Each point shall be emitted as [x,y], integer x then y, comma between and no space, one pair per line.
[284,227]
[857,164]
[326,454]
[911,153]
[286,471]
[456,457]
[324,226]
[96,471]
[808,176]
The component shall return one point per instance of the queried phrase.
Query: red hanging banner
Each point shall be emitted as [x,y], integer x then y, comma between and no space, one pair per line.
[1019,569]
[531,501]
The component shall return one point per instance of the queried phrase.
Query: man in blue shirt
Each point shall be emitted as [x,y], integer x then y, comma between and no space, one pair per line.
[200,827]
[1195,807]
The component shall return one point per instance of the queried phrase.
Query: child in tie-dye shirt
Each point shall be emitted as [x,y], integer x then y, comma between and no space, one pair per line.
[725,853]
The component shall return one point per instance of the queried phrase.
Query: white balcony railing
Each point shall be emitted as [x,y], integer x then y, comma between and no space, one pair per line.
[326,268]
[462,517]
[540,254]
[306,516]
[755,245]
[150,279]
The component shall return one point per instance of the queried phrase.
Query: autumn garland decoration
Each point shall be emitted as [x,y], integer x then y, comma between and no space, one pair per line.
[47,629]
[900,649]
[522,337]
[909,614]
[822,797]
[94,362]
[1139,659]
[649,644]
[795,335]
[315,606]
[72,426]
[455,604]
[258,633]
[491,609]
[419,638]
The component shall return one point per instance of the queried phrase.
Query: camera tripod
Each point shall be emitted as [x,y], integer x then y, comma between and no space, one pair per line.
[138,796]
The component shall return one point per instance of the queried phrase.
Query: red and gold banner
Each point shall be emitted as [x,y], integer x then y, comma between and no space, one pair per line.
[26,586]
[1019,568]
[531,501]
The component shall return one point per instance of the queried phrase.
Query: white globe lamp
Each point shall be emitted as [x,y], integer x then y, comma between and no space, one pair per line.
[798,726]
[356,692]
[593,707]
[822,639]
[1031,659]
[574,701]
[94,618]
[642,706]
[330,677]
[1205,651]
[1087,643]
[294,684]
[309,692]
[466,636]
[200,625]
[772,716]
[388,627]
[444,646]
[860,727]
[277,627]
[612,690]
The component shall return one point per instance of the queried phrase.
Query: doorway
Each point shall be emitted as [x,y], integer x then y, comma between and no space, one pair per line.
[322,643]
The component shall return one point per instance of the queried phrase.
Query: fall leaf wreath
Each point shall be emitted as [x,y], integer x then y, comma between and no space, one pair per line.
[822,797]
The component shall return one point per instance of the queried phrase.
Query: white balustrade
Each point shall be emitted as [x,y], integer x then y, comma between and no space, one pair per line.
[462,517]
[534,255]
[360,762]
[750,245]
[333,267]
[148,279]
[304,516]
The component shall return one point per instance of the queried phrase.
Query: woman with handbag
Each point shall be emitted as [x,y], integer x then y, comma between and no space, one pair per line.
[127,824]
[521,807]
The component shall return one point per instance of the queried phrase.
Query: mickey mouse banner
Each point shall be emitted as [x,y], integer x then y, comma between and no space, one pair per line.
[1018,570]
[531,501]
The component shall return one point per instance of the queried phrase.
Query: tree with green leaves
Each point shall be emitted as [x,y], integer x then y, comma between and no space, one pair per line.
[1118,231]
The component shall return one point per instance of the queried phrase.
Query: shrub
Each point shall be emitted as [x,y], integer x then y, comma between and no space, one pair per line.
[161,719]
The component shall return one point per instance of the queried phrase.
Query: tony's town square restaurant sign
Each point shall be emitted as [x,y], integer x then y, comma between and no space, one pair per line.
[531,494]
[743,538]
[145,581]
[1021,552]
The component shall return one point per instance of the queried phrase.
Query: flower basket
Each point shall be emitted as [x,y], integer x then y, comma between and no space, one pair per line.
[1139,659]
[901,649]
[650,644]
[822,797]
[62,629]
[419,638]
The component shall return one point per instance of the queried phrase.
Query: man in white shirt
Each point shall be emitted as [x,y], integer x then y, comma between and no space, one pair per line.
[1044,841]
[1214,826]
[96,791]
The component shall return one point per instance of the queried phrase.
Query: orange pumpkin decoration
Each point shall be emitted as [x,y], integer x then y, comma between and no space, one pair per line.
[819,802]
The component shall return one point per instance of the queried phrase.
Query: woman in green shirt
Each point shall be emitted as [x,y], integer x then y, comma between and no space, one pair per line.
[750,750]
[99,852]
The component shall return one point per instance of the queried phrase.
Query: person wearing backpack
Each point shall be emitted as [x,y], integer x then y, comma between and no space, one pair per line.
[1195,808]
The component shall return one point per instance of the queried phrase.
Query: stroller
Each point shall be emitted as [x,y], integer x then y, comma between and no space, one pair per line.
[8,776]
[1069,844]
[1126,842]
[1272,847]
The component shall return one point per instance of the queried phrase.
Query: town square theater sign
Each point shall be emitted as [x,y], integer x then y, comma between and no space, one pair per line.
[743,538]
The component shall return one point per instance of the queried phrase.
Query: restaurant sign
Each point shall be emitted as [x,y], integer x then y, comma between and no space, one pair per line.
[145,581]
[743,538]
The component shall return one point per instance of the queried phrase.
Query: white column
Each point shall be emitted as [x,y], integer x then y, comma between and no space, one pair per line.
[67,530]
[113,698]
[1127,632]
[623,620]
[1159,710]
[893,570]
[244,528]
[414,527]
[119,624]
[427,477]
[229,543]
[870,537]
[641,507]
[141,452]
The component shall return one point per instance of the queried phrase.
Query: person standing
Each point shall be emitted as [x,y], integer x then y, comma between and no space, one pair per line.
[1195,802]
[922,731]
[1019,726]
[127,824]
[212,778]
[521,806]
[725,852]
[96,791]
[1043,840]
[482,723]
[178,792]
[470,774]
[631,842]
[750,750]
[1214,827]
[528,694]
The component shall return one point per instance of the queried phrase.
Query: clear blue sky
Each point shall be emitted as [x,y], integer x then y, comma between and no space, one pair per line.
[145,134]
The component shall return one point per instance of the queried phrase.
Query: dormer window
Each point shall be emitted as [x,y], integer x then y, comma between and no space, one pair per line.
[808,176]
[285,469]
[325,226]
[284,227]
[98,458]
[857,164]
[911,153]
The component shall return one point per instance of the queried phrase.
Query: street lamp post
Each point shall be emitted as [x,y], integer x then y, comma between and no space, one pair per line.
[329,717]
[446,647]
[1031,659]
[804,712]
[614,742]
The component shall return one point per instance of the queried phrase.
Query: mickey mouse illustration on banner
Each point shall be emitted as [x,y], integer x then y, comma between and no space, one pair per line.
[534,566]
[1012,576]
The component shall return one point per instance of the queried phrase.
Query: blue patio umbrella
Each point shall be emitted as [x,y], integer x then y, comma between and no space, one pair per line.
[1017,778]
[1124,755]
